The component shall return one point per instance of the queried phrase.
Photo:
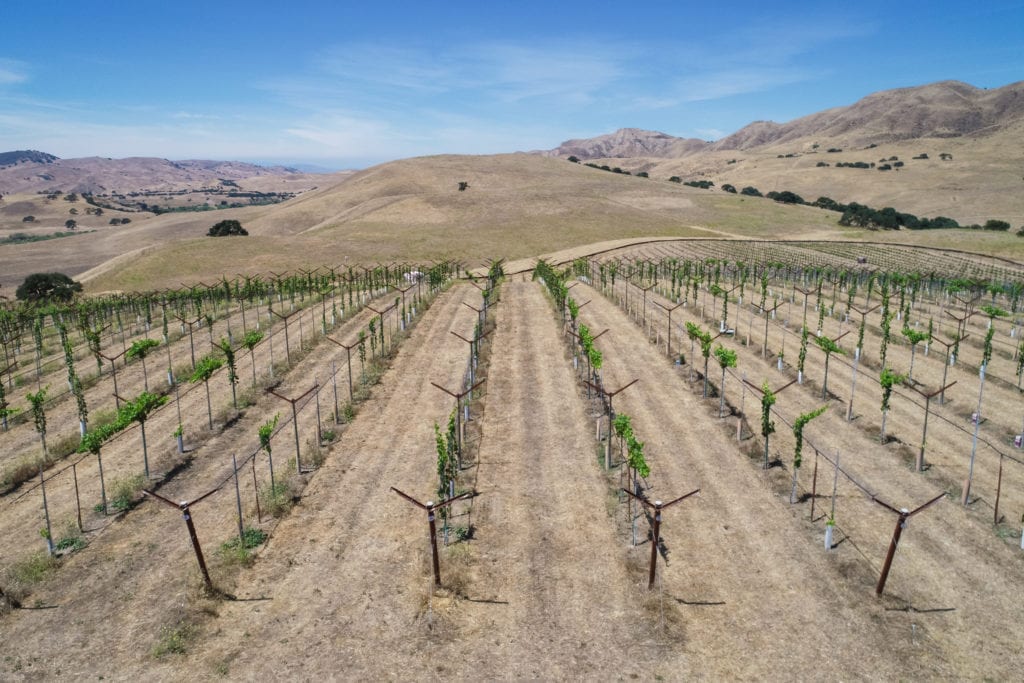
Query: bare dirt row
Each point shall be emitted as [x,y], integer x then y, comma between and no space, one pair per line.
[138,580]
[949,567]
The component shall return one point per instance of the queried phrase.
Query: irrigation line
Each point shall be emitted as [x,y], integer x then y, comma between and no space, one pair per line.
[191,387]
[905,397]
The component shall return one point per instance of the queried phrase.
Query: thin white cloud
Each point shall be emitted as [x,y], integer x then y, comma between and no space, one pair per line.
[715,85]
[187,115]
[12,71]
[478,74]
[711,133]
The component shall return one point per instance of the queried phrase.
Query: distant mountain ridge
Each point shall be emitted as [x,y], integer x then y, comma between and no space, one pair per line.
[32,171]
[27,156]
[945,109]
[628,142]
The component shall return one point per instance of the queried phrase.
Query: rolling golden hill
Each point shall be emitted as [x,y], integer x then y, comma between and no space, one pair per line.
[515,206]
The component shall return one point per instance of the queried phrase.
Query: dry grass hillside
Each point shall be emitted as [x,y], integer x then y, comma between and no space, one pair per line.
[516,206]
[981,129]
[96,175]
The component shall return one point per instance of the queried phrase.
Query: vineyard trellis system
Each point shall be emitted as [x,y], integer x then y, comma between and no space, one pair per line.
[95,439]
[872,496]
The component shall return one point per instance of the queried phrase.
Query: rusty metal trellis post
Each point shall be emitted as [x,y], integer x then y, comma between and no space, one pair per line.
[474,352]
[656,507]
[945,370]
[191,340]
[901,522]
[186,513]
[611,395]
[348,351]
[458,413]
[764,346]
[668,349]
[776,392]
[919,466]
[295,419]
[287,344]
[113,372]
[380,316]
[430,507]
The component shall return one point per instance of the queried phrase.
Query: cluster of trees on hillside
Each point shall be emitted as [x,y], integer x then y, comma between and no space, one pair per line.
[862,216]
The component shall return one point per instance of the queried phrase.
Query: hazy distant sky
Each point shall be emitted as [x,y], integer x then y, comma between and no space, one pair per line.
[348,84]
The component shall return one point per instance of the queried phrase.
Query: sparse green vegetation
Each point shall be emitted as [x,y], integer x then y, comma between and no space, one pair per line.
[175,640]
[238,551]
[124,493]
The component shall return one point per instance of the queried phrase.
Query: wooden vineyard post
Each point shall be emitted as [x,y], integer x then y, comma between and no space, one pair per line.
[611,416]
[295,419]
[656,508]
[430,507]
[919,465]
[458,413]
[901,522]
[184,506]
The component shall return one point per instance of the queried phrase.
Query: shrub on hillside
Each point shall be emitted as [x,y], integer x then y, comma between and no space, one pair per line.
[786,197]
[729,188]
[227,228]
[751,191]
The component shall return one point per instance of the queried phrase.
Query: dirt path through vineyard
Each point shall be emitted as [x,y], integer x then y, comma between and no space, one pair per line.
[550,597]
[738,557]
[346,575]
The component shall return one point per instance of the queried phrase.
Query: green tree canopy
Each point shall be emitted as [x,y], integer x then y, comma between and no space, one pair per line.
[226,228]
[48,286]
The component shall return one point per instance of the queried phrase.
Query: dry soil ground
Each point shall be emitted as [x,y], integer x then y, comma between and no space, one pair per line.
[549,586]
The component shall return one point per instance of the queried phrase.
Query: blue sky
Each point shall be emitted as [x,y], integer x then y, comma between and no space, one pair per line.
[344,84]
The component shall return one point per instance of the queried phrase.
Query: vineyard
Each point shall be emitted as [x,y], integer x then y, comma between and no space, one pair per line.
[709,458]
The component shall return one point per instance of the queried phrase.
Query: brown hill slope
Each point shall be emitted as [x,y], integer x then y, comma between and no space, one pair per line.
[515,206]
[947,109]
[97,175]
[979,131]
[628,142]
